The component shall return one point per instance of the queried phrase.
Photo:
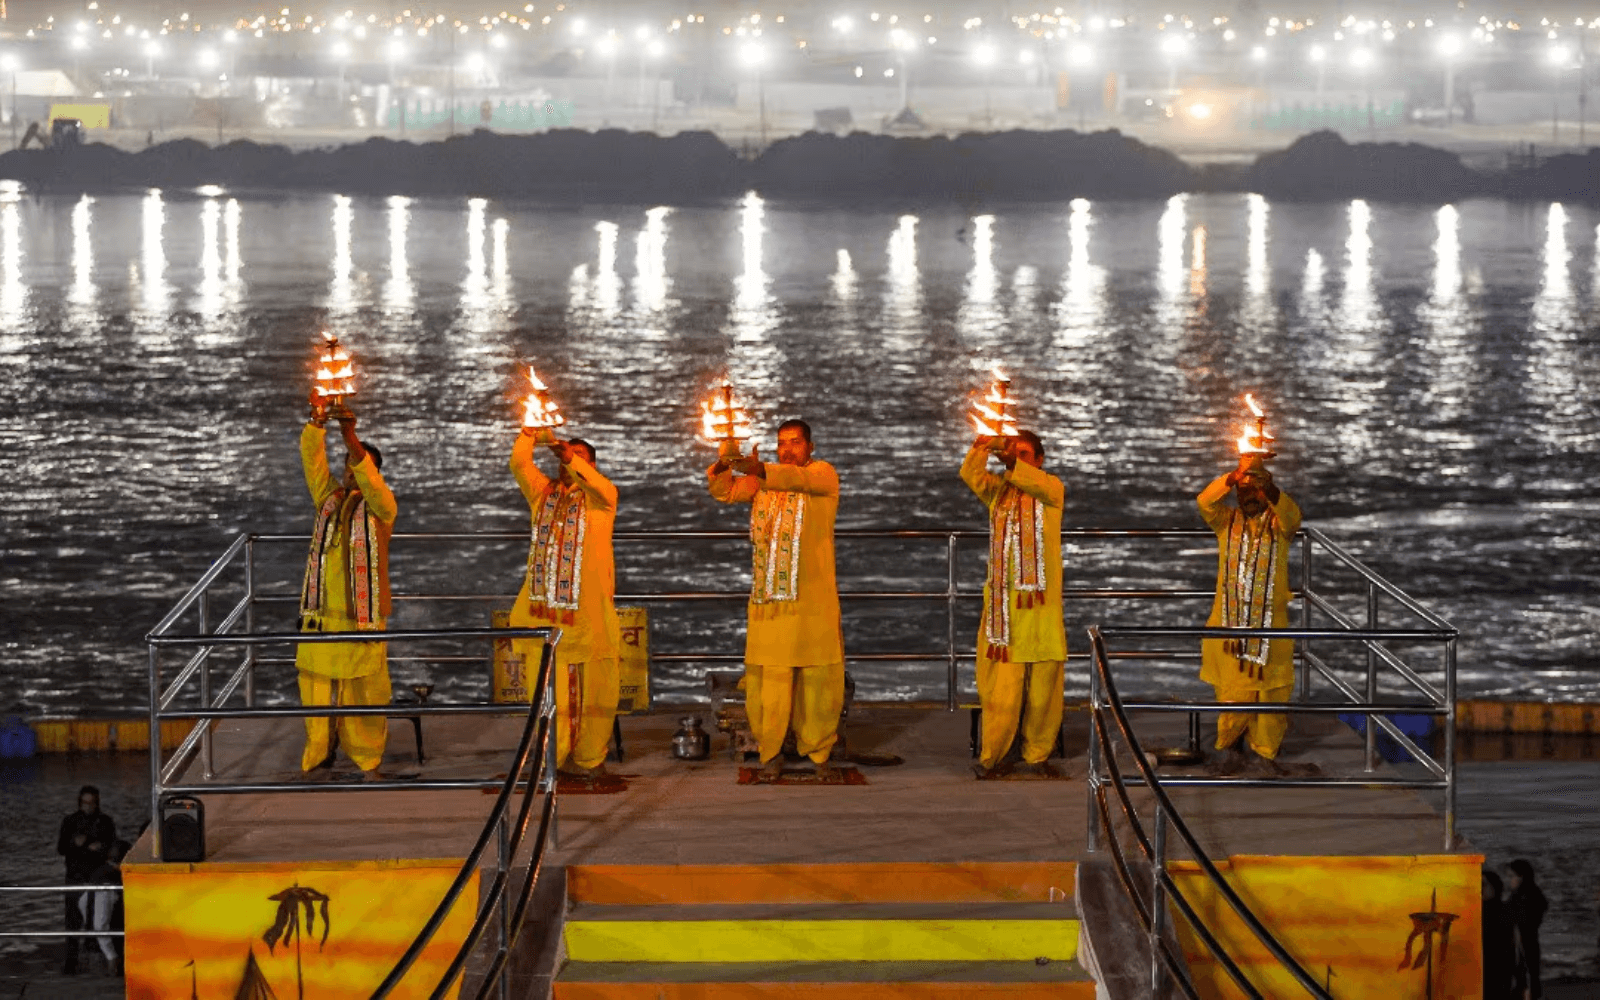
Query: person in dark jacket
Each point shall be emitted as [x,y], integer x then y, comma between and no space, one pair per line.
[85,842]
[1499,947]
[1526,907]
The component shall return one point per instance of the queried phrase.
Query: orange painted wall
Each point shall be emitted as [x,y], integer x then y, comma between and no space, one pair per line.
[1350,914]
[192,928]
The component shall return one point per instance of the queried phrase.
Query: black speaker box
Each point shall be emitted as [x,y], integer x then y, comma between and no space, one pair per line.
[183,829]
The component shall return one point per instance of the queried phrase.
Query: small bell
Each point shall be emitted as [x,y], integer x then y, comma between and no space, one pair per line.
[691,742]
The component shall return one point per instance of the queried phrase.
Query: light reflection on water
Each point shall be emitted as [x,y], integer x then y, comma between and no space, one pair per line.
[1433,370]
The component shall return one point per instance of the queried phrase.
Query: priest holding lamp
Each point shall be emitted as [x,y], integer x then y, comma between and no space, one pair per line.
[1253,537]
[794,650]
[570,583]
[346,586]
[1022,639]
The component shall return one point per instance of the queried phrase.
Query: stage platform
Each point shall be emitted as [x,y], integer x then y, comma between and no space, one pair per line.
[687,838]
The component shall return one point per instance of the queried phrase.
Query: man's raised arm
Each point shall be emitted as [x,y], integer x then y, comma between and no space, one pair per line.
[975,473]
[314,461]
[1037,483]
[1211,501]
[530,478]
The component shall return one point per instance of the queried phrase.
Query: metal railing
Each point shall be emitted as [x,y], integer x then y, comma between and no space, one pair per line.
[64,890]
[1110,723]
[533,766]
[236,630]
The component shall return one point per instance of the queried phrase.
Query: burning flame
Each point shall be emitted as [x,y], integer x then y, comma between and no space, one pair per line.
[722,418]
[336,375]
[1255,440]
[991,416]
[539,410]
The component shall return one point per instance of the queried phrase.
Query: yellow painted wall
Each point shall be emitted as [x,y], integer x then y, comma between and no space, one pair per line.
[205,921]
[92,115]
[1348,914]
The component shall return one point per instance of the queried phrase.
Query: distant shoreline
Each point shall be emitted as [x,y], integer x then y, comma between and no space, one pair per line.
[696,167]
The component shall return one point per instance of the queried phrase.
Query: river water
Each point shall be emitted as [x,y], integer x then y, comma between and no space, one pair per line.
[1430,373]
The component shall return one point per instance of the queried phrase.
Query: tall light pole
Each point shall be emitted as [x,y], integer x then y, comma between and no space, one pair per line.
[1449,50]
[1560,58]
[396,52]
[753,55]
[8,62]
[341,55]
[1080,58]
[983,55]
[152,49]
[608,49]
[1361,60]
[655,50]
[1173,47]
[1319,59]
[904,44]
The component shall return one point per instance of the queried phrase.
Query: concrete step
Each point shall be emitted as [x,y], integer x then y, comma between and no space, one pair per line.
[880,882]
[833,932]
[1063,980]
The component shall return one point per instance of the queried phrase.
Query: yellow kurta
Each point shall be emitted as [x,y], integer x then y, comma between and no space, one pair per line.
[1038,632]
[340,660]
[794,650]
[587,682]
[1220,668]
[803,632]
[345,673]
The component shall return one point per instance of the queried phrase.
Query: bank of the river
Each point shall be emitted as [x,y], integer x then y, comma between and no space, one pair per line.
[640,167]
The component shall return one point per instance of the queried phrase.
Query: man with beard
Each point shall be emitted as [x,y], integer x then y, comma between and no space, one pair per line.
[1252,592]
[794,651]
[570,583]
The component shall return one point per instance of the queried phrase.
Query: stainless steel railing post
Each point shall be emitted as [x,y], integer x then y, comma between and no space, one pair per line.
[250,620]
[1303,648]
[1158,899]
[155,752]
[950,621]
[1092,773]
[208,762]
[1371,755]
[503,868]
[1450,745]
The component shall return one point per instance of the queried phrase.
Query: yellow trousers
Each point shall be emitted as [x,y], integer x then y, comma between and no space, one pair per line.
[1000,691]
[1265,730]
[807,698]
[363,737]
[586,709]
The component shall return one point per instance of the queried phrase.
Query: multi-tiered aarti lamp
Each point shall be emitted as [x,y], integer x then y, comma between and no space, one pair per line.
[336,376]
[540,413]
[725,423]
[1256,440]
[994,415]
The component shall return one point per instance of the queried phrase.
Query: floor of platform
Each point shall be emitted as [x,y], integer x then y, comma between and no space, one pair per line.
[930,808]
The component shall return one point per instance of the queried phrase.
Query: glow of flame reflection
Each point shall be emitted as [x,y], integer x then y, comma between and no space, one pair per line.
[82,292]
[341,287]
[607,283]
[650,283]
[398,291]
[1358,306]
[1170,233]
[844,276]
[13,292]
[153,258]
[1447,256]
